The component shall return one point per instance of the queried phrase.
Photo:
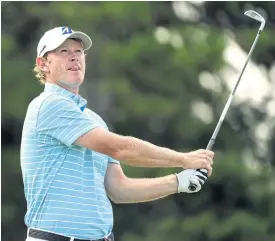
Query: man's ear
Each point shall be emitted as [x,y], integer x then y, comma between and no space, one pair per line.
[42,64]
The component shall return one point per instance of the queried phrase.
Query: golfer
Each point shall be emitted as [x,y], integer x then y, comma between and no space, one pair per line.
[70,160]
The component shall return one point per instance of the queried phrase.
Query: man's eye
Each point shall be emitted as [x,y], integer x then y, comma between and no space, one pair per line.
[63,50]
[79,50]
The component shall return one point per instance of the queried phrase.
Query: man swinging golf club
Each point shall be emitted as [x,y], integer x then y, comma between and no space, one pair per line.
[71,161]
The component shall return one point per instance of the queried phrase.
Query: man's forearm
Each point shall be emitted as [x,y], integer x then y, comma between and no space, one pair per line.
[144,189]
[136,152]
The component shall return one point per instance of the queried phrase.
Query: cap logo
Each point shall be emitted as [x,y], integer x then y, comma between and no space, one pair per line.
[66,30]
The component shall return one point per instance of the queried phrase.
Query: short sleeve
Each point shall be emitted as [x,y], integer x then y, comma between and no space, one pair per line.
[62,119]
[111,160]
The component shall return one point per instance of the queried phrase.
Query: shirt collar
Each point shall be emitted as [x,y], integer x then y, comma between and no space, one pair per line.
[52,88]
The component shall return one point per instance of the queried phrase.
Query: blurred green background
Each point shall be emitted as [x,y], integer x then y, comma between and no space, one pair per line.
[162,72]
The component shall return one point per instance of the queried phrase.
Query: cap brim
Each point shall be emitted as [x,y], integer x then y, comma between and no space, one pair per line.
[85,39]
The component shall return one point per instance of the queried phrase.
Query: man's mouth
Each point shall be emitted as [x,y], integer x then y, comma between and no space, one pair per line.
[74,68]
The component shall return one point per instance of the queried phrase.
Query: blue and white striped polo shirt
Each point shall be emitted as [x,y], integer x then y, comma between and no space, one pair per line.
[63,182]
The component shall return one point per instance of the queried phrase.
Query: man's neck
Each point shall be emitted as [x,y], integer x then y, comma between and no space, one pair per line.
[74,90]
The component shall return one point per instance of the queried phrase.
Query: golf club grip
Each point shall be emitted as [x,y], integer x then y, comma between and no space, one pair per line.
[192,187]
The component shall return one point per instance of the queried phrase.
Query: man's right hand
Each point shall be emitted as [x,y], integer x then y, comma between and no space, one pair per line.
[200,159]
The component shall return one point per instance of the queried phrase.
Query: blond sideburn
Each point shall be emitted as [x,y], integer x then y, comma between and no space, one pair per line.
[40,74]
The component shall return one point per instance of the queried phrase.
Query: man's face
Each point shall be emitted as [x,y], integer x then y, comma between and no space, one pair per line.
[66,64]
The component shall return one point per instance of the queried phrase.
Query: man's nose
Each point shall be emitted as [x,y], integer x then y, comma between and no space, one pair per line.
[74,57]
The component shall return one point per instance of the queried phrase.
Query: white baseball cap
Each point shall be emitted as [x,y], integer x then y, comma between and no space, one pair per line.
[53,38]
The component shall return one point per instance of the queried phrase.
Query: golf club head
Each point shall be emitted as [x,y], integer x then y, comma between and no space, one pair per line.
[256,16]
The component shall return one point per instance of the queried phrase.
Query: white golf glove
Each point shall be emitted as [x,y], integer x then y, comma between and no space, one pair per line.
[190,175]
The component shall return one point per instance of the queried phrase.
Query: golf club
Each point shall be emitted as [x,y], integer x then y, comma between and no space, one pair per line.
[258,17]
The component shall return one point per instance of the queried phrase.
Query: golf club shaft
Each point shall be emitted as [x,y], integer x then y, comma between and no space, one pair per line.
[211,142]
